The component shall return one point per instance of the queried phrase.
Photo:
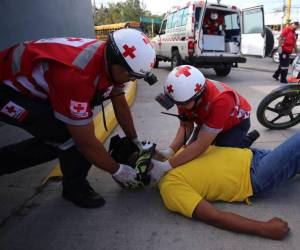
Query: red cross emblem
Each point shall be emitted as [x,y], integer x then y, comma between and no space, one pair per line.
[78,108]
[183,71]
[11,109]
[170,88]
[152,64]
[146,39]
[197,87]
[129,51]
[71,39]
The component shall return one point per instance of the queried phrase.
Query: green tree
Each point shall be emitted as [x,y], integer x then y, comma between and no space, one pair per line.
[130,10]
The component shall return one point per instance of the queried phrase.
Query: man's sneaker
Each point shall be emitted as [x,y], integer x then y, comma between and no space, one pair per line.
[253,135]
[87,199]
[275,77]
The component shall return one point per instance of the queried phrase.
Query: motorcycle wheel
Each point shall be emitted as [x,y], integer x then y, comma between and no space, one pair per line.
[281,108]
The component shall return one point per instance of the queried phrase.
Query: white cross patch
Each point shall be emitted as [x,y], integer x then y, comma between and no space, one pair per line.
[79,109]
[15,111]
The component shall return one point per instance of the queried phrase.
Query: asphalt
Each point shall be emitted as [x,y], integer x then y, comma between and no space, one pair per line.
[33,216]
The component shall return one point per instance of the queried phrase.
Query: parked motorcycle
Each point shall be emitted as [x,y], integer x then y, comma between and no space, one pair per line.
[281,108]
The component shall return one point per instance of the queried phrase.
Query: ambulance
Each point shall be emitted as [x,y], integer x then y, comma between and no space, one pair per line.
[183,37]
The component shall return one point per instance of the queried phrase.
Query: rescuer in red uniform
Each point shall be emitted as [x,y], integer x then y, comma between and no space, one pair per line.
[287,44]
[213,23]
[49,88]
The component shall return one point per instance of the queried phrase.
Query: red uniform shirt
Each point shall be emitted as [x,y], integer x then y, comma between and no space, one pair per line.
[220,109]
[290,39]
[66,71]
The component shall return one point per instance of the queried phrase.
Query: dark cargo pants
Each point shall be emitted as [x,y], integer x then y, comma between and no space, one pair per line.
[49,140]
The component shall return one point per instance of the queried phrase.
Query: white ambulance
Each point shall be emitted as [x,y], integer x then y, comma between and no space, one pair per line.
[183,36]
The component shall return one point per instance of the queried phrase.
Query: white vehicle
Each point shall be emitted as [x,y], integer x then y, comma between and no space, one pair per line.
[183,38]
[296,67]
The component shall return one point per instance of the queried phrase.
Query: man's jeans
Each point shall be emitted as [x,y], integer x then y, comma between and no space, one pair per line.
[270,168]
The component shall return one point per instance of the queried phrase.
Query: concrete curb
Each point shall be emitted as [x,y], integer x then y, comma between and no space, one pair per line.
[100,131]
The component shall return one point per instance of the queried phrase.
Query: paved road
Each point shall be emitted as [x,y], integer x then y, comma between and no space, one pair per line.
[138,220]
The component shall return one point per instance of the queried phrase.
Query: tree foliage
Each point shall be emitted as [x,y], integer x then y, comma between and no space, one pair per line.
[129,10]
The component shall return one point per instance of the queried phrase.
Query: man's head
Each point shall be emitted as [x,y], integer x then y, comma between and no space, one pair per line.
[124,151]
[213,15]
[129,55]
[294,24]
[185,86]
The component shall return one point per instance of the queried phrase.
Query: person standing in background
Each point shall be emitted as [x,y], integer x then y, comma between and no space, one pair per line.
[287,44]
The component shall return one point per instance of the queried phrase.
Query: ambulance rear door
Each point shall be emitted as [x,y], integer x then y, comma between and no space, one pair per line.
[253,38]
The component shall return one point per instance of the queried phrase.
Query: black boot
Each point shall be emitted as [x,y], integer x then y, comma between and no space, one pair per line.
[275,76]
[253,135]
[283,81]
[87,198]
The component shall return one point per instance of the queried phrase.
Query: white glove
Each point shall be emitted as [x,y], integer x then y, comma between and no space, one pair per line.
[145,145]
[167,152]
[159,169]
[126,175]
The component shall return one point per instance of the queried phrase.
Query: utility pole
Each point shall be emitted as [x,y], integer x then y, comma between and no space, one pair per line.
[287,13]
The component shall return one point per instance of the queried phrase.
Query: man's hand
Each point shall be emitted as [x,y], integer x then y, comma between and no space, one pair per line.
[279,49]
[159,169]
[127,177]
[275,229]
[166,153]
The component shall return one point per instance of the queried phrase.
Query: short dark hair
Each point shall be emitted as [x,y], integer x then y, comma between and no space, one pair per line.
[295,22]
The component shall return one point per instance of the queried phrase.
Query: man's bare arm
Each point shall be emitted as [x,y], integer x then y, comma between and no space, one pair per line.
[193,150]
[87,143]
[123,115]
[275,228]
[185,129]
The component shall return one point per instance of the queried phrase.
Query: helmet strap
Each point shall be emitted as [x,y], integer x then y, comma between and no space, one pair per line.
[108,64]
[197,101]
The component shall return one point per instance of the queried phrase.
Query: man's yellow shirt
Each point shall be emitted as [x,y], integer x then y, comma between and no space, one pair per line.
[219,174]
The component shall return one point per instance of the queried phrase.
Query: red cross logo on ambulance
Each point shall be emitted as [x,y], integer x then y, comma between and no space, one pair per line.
[79,109]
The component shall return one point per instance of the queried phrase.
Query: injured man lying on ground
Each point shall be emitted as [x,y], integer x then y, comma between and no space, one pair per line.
[224,174]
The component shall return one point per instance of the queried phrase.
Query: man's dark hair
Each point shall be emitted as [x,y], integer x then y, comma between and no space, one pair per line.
[121,149]
[124,151]
[295,22]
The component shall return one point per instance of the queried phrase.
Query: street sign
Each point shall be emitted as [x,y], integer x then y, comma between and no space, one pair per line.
[150,20]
